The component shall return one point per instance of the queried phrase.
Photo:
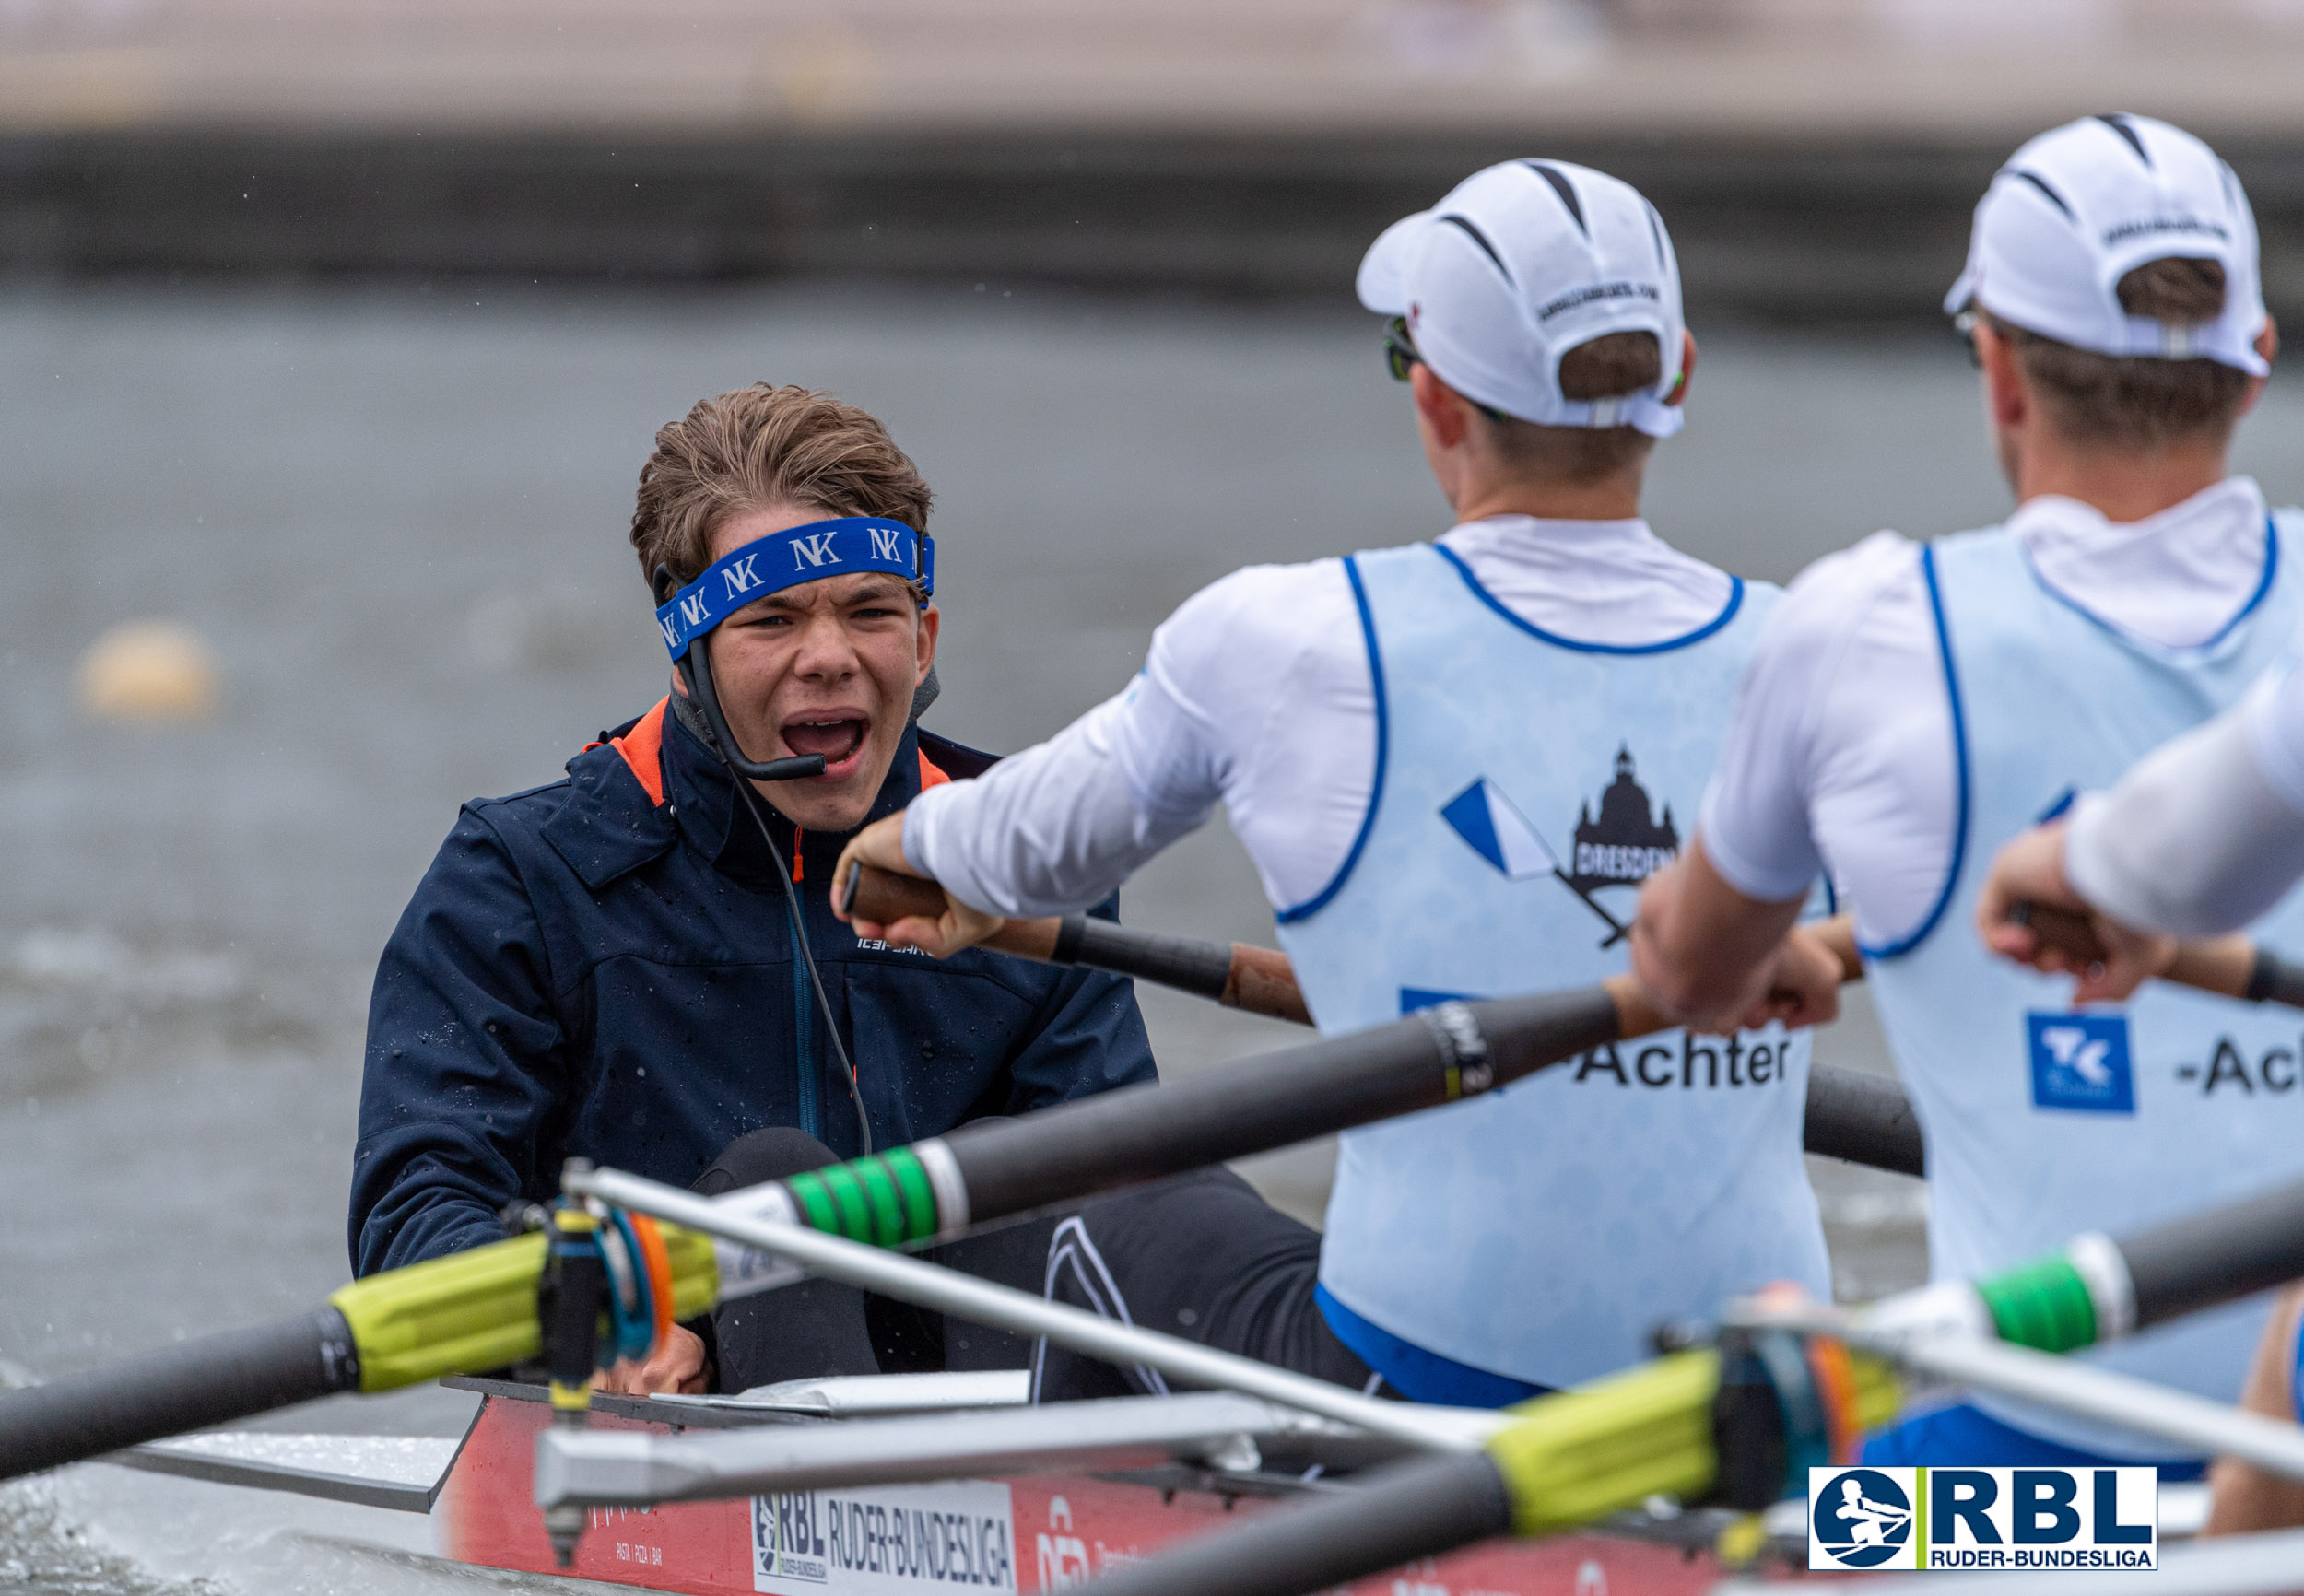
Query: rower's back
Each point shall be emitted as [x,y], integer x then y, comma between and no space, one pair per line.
[1551,684]
[2114,271]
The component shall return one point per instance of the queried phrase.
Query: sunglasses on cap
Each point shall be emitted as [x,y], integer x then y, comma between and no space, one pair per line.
[1964,329]
[1399,353]
[1399,349]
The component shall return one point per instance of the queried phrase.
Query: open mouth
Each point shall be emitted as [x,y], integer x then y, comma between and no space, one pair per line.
[838,740]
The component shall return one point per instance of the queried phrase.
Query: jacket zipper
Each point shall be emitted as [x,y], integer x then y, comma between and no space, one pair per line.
[802,1012]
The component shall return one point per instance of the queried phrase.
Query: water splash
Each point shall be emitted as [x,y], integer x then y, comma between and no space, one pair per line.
[42,1553]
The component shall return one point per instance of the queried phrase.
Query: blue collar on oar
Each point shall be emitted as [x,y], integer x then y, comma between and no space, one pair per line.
[787,558]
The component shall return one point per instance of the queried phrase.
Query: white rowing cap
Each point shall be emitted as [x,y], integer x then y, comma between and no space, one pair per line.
[1517,266]
[2080,207]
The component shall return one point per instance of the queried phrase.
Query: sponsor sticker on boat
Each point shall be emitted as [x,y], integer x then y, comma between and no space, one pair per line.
[1947,1518]
[881,1540]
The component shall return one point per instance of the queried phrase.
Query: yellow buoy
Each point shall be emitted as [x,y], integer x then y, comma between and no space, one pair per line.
[150,670]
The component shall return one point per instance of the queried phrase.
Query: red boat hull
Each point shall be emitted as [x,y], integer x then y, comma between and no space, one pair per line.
[1033,1532]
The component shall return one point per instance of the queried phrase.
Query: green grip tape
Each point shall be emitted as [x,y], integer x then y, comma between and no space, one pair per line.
[883,1200]
[2044,1306]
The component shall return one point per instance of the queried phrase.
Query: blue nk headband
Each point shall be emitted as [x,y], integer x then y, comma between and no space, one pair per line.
[782,559]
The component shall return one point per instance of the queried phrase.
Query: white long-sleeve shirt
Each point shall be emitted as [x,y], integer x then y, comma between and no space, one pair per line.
[2206,832]
[1840,755]
[1257,694]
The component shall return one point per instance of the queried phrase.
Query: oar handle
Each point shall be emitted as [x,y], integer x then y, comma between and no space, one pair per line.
[2230,966]
[1258,980]
[1861,1119]
[2205,1258]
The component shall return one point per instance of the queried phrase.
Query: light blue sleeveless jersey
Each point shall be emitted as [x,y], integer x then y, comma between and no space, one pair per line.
[2041,1121]
[1525,784]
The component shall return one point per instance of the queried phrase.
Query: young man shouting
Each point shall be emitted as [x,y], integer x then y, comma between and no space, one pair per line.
[610,966]
[1452,764]
[1910,708]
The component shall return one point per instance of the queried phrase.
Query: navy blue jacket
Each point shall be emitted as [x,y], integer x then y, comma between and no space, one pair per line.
[586,972]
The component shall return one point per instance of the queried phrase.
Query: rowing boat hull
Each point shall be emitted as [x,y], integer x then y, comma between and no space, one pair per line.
[1031,1533]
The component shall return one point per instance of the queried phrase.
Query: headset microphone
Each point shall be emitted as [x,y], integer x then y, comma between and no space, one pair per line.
[695,672]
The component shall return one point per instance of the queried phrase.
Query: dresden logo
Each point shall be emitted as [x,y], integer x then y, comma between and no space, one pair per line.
[1859,1518]
[1619,847]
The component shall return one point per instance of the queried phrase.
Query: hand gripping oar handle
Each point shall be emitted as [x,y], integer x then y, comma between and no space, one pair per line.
[1260,980]
[2232,967]
[1861,1119]
[1256,978]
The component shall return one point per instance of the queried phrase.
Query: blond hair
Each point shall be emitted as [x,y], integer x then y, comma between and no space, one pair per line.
[761,448]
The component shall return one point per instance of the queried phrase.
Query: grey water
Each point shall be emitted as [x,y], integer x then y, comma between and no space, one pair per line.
[398,516]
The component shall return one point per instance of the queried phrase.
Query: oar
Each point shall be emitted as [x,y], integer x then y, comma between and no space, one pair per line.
[1262,980]
[1997,1333]
[461,1314]
[1668,1427]
[478,1310]
[1259,979]
[1858,1118]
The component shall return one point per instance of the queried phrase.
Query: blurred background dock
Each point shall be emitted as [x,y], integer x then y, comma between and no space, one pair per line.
[1816,158]
[332,335]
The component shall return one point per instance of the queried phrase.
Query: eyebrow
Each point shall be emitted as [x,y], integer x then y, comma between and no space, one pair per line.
[876,584]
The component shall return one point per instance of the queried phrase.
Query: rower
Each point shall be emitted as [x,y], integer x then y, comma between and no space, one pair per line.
[1452,764]
[638,965]
[1912,707]
[2203,835]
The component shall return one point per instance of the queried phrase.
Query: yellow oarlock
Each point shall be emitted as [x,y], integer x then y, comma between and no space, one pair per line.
[477,1309]
[1579,1455]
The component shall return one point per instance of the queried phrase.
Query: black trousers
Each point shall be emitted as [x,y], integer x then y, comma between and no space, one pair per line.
[1202,1257]
[819,1327]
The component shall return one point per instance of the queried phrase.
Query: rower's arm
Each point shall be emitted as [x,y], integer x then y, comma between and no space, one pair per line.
[2205,833]
[1257,692]
[1703,950]
[1050,830]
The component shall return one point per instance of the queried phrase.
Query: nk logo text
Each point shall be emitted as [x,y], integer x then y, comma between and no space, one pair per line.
[1947,1518]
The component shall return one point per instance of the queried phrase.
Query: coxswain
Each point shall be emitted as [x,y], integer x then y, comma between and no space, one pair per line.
[610,965]
[1913,706]
[1453,763]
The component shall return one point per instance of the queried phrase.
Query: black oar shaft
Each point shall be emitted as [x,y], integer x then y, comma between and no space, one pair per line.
[2273,979]
[211,1380]
[1415,1509]
[1864,1120]
[2216,1257]
[1185,963]
[1119,1138]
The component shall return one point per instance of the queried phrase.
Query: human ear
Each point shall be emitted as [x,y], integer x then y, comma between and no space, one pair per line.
[2007,399]
[1442,407]
[925,643]
[1687,369]
[2268,346]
